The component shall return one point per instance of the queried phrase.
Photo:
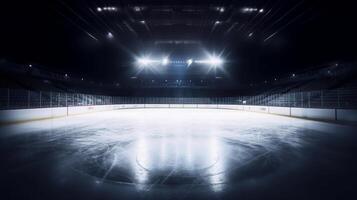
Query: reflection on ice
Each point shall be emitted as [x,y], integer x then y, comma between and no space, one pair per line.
[140,173]
[216,171]
[177,156]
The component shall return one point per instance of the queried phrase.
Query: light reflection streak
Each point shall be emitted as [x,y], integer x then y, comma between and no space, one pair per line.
[188,148]
[163,149]
[216,171]
[177,156]
[141,174]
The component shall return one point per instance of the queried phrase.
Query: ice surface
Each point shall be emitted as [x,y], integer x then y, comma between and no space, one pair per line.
[211,149]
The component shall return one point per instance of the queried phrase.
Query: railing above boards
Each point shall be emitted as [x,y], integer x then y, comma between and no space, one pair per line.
[20,99]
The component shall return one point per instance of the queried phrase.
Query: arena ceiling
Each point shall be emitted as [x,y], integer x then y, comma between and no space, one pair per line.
[100,38]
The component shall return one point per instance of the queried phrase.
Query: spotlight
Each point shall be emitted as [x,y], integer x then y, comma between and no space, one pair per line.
[250,10]
[144,61]
[261,10]
[165,61]
[215,61]
[189,62]
[110,35]
[99,9]
[137,9]
[212,61]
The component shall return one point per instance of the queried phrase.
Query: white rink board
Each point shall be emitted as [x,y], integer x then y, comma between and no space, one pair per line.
[313,113]
[88,109]
[346,115]
[190,105]
[207,105]
[19,115]
[176,105]
[233,107]
[280,110]
[157,105]
[9,116]
[264,109]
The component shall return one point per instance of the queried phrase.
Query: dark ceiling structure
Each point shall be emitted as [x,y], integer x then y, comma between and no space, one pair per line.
[99,39]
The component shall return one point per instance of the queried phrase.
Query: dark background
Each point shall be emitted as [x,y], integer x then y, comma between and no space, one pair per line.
[54,35]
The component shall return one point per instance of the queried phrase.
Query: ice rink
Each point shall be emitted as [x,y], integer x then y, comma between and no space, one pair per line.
[178,154]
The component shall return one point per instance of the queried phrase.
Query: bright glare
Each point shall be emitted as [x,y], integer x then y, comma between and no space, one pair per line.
[250,10]
[165,61]
[215,61]
[100,9]
[144,61]
[189,62]
[110,35]
[212,61]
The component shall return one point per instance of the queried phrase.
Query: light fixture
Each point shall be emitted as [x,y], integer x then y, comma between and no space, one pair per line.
[137,9]
[250,10]
[109,9]
[144,61]
[189,62]
[165,61]
[215,61]
[110,35]
[211,60]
